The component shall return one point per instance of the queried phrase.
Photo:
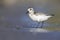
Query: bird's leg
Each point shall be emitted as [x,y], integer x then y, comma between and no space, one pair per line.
[37,24]
[42,24]
[34,25]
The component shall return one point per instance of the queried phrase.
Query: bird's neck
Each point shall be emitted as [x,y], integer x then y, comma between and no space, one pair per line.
[31,12]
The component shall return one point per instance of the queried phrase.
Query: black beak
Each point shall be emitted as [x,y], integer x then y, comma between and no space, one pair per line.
[27,12]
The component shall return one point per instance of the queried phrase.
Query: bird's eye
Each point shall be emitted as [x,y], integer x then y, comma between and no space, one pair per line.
[30,9]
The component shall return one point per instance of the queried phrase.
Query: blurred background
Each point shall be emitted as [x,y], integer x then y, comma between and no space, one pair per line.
[13,17]
[13,13]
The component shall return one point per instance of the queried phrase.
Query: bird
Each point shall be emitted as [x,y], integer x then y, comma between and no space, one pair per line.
[38,17]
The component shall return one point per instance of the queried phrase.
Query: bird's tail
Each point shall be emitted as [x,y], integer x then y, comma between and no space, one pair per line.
[52,15]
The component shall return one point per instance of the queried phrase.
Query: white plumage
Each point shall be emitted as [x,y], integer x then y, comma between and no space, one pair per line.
[37,16]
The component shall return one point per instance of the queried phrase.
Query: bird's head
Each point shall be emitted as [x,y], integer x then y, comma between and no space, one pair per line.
[30,10]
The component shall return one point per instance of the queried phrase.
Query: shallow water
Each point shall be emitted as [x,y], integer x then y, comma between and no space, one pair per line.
[20,35]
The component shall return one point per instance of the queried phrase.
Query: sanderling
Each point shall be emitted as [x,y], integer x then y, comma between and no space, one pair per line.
[39,17]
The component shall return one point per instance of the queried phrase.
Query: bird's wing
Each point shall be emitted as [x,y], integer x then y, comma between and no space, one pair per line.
[37,14]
